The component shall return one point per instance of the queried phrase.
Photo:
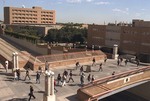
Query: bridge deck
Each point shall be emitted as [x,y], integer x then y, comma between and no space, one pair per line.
[108,84]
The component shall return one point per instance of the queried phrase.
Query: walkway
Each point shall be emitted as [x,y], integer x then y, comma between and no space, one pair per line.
[13,90]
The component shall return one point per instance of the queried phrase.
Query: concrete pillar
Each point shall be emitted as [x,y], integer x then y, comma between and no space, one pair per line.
[115,52]
[16,58]
[14,62]
[52,85]
[49,87]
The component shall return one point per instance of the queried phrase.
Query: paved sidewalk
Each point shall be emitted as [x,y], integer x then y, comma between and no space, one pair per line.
[18,90]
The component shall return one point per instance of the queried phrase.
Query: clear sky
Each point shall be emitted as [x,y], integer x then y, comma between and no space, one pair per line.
[88,11]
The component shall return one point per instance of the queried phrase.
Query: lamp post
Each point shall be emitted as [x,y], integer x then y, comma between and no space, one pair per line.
[49,94]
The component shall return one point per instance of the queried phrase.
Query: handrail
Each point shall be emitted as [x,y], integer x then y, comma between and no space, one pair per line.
[109,78]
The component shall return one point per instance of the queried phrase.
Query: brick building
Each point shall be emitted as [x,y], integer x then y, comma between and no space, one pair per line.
[34,15]
[130,39]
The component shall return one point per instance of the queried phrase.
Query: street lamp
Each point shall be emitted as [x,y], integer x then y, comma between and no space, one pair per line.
[49,94]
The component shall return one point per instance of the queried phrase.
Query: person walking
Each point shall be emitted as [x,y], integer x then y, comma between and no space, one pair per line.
[82,79]
[138,62]
[15,75]
[89,78]
[77,65]
[55,90]
[118,62]
[105,60]
[81,70]
[70,76]
[93,61]
[27,75]
[126,61]
[31,93]
[65,73]
[18,74]
[59,79]
[64,80]
[113,73]
[6,66]
[100,67]
[92,79]
[38,77]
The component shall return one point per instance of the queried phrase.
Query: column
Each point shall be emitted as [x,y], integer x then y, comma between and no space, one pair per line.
[17,64]
[115,52]
[52,85]
[49,94]
[14,62]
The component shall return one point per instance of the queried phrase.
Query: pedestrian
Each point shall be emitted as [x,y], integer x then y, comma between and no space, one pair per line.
[27,75]
[126,61]
[65,73]
[100,67]
[77,65]
[15,75]
[46,66]
[70,76]
[93,61]
[82,79]
[18,73]
[118,62]
[89,78]
[31,93]
[38,77]
[6,66]
[92,80]
[105,59]
[55,90]
[81,70]
[138,62]
[113,73]
[59,79]
[121,59]
[64,80]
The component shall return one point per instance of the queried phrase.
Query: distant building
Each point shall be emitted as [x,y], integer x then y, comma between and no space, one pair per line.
[34,15]
[130,39]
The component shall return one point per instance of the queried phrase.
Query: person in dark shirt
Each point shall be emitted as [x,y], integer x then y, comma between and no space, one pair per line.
[37,77]
[27,75]
[31,93]
[58,79]
[70,76]
[93,61]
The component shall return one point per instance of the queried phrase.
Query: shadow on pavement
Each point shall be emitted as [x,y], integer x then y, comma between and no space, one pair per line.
[39,91]
[19,99]
[7,74]
[72,98]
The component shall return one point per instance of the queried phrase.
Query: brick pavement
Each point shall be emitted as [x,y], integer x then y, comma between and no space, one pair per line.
[18,90]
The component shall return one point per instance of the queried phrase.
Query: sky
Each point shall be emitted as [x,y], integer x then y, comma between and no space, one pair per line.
[88,11]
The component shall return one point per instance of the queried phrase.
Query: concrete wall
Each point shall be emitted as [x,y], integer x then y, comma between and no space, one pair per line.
[70,61]
[28,45]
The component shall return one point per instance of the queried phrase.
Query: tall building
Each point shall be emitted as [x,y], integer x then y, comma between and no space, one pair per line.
[34,15]
[130,39]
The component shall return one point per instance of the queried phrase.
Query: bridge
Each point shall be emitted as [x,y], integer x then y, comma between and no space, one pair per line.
[110,85]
